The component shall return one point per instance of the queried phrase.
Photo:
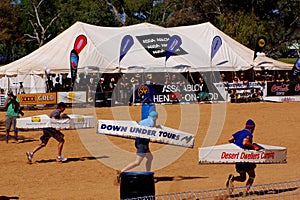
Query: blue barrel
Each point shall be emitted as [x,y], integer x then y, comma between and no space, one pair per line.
[136,184]
[146,109]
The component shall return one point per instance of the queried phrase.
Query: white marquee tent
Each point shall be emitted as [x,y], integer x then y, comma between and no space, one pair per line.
[101,53]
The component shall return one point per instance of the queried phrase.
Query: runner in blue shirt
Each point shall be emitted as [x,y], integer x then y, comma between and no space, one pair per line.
[142,146]
[243,139]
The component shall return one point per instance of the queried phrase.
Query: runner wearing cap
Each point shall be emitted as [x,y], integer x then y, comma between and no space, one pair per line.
[52,132]
[243,139]
[142,146]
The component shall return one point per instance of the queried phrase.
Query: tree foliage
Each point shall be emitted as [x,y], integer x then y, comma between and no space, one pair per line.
[28,24]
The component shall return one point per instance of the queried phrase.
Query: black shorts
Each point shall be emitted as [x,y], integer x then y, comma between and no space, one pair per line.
[142,149]
[244,167]
[51,132]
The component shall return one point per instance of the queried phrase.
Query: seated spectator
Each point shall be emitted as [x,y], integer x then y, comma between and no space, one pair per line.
[2,91]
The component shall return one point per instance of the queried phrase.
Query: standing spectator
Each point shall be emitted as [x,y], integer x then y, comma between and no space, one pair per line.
[243,139]
[287,78]
[279,78]
[13,107]
[57,86]
[142,146]
[51,132]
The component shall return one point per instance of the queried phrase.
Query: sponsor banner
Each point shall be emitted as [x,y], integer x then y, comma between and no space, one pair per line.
[71,97]
[230,153]
[37,98]
[2,100]
[174,93]
[156,45]
[44,121]
[131,129]
[283,89]
[283,98]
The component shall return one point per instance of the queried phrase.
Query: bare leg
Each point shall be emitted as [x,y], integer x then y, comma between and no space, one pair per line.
[149,157]
[241,177]
[134,164]
[38,148]
[60,147]
[7,136]
[250,180]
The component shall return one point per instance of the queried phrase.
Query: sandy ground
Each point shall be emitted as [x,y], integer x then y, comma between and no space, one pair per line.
[85,176]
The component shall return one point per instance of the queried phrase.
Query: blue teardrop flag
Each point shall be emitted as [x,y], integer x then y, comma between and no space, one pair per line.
[126,44]
[215,46]
[173,44]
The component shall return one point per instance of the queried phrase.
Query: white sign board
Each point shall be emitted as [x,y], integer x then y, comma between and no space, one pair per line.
[131,129]
[231,153]
[44,121]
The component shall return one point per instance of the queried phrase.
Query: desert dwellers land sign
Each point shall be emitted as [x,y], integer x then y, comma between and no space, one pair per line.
[230,153]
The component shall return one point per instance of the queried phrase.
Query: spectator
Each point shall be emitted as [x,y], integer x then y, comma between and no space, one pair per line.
[2,91]
[236,80]
[12,106]
[279,78]
[287,78]
[57,86]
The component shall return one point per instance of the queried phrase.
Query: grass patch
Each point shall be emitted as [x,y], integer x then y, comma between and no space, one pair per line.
[288,60]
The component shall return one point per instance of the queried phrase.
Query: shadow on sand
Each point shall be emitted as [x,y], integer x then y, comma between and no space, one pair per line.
[265,192]
[8,198]
[84,158]
[175,178]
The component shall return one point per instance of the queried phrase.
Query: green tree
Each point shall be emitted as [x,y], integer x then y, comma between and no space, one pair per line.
[10,37]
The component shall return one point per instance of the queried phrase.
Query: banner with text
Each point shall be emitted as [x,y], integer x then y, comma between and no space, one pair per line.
[71,97]
[131,129]
[37,98]
[44,121]
[175,93]
[283,89]
[156,45]
[230,153]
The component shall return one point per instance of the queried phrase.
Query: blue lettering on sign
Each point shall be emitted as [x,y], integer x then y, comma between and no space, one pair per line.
[142,131]
[114,127]
[168,135]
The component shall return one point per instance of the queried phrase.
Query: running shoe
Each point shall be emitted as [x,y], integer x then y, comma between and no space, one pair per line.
[29,156]
[61,159]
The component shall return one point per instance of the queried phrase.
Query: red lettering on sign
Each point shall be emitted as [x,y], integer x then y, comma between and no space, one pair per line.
[280,88]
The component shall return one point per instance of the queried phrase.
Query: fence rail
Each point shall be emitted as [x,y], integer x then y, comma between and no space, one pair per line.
[281,190]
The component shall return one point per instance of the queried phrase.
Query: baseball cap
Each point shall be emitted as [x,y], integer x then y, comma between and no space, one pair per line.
[153,114]
[61,105]
[250,123]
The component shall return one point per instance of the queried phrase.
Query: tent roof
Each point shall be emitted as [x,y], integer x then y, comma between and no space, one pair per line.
[101,53]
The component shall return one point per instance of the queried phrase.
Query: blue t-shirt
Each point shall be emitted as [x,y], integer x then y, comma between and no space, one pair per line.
[240,136]
[55,113]
[145,122]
